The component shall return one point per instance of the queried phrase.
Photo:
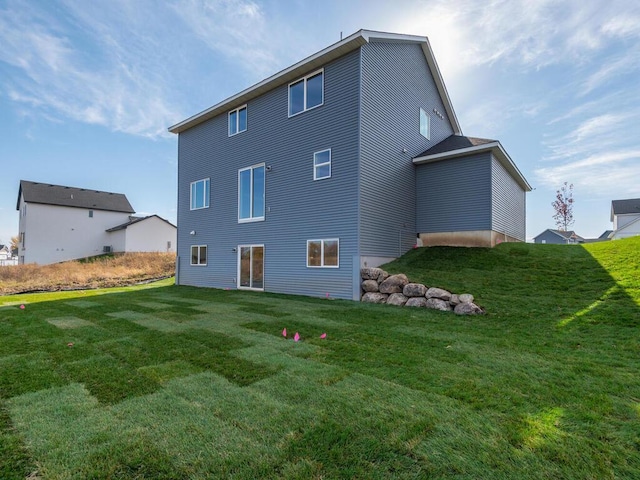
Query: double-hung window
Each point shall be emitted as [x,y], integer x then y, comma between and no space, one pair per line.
[238,120]
[251,193]
[306,93]
[322,164]
[200,194]
[425,124]
[323,253]
[198,254]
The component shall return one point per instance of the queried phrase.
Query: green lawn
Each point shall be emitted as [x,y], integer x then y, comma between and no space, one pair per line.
[174,382]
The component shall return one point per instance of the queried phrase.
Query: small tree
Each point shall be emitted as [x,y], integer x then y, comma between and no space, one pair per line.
[563,206]
[15,243]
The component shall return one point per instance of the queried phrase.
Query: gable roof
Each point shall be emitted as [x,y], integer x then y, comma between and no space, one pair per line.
[337,50]
[624,207]
[458,146]
[605,234]
[47,194]
[565,235]
[134,220]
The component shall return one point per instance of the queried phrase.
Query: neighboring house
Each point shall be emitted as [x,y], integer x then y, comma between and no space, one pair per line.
[559,237]
[344,160]
[606,235]
[59,223]
[625,215]
[144,234]
[5,252]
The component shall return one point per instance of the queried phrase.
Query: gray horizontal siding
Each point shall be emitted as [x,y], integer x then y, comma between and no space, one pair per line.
[454,195]
[550,237]
[396,83]
[508,208]
[298,208]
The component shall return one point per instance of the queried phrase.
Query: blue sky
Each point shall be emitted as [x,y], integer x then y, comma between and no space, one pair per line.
[89,88]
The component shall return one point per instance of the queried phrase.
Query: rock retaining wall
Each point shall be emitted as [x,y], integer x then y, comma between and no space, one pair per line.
[380,287]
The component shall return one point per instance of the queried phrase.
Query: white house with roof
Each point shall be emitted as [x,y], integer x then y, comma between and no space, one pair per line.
[59,223]
[625,215]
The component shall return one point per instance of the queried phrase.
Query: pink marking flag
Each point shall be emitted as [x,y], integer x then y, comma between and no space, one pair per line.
[284,332]
[296,337]
[21,307]
[324,335]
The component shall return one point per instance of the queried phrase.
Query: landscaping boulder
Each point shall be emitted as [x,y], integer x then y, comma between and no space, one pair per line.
[416,302]
[466,298]
[454,300]
[394,284]
[414,290]
[369,286]
[397,299]
[374,297]
[468,308]
[370,273]
[383,276]
[438,304]
[434,292]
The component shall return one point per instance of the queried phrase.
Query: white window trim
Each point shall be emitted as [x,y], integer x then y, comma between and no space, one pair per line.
[252,219]
[315,166]
[252,245]
[207,200]
[237,110]
[206,260]
[304,79]
[322,240]
[428,135]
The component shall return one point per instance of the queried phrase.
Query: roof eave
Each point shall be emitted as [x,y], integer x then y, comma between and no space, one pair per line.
[493,147]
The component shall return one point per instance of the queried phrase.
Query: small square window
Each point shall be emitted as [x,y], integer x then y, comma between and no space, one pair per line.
[198,255]
[200,194]
[238,120]
[425,124]
[90,213]
[323,253]
[322,164]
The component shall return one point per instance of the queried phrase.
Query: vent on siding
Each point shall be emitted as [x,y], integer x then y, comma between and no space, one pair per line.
[106,249]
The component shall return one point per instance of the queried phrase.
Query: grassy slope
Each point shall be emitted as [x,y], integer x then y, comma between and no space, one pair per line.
[173,382]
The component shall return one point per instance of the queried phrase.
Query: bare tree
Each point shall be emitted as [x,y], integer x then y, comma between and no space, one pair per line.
[563,206]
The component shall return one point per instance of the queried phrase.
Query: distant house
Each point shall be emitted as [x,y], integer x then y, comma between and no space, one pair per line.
[606,235]
[559,237]
[59,223]
[625,215]
[346,159]
[5,252]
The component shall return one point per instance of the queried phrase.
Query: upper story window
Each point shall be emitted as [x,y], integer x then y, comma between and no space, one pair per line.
[90,213]
[322,164]
[251,193]
[200,194]
[238,120]
[425,124]
[323,253]
[306,93]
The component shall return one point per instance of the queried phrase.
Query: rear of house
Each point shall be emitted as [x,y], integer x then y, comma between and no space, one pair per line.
[296,183]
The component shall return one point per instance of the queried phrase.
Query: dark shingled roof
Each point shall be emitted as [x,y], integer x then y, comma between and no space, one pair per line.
[566,234]
[606,234]
[47,194]
[133,220]
[622,207]
[456,142]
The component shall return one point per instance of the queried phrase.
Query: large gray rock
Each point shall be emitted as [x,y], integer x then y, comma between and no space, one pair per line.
[438,304]
[374,297]
[416,302]
[383,276]
[454,300]
[434,292]
[369,286]
[397,299]
[414,290]
[466,298]
[394,284]
[370,273]
[468,308]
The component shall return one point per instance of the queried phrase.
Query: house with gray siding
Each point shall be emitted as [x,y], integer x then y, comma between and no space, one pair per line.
[558,237]
[346,159]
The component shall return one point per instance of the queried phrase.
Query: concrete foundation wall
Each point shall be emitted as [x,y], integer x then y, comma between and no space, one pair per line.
[474,238]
